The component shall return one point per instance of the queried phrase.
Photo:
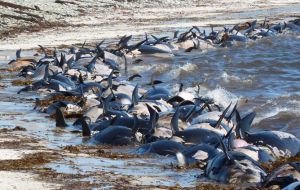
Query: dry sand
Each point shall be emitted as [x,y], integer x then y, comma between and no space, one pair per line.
[12,154]
[18,178]
[21,180]
[70,22]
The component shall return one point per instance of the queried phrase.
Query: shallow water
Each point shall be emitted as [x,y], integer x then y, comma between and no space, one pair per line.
[264,75]
[148,171]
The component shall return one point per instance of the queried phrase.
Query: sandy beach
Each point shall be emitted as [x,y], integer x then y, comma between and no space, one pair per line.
[25,24]
[24,154]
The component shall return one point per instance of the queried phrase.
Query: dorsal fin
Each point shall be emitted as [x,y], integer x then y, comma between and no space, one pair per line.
[123,43]
[91,65]
[100,52]
[37,103]
[264,23]
[186,102]
[158,40]
[153,82]
[109,80]
[78,55]
[197,112]
[55,52]
[208,107]
[197,29]
[100,43]
[71,62]
[228,118]
[190,113]
[238,121]
[217,106]
[105,105]
[154,37]
[112,94]
[243,125]
[62,60]
[253,24]
[60,119]
[229,132]
[83,44]
[18,53]
[225,151]
[134,76]
[222,117]
[43,50]
[86,131]
[230,137]
[175,99]
[153,116]
[180,87]
[174,122]
[198,90]
[135,95]
[77,122]
[81,90]
[284,25]
[80,78]
[136,46]
[176,34]
[197,46]
[235,27]
[46,75]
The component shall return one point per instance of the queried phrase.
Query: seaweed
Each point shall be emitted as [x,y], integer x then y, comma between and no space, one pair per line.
[21,82]
[50,100]
[72,149]
[281,161]
[28,161]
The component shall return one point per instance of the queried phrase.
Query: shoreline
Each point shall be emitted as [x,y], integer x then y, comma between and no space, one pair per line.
[58,168]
